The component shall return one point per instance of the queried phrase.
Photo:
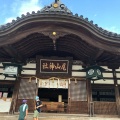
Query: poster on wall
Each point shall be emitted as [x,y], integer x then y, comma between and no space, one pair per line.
[63,84]
[53,83]
[44,83]
[0,95]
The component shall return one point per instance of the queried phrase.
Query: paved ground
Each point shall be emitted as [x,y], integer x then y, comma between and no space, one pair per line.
[53,116]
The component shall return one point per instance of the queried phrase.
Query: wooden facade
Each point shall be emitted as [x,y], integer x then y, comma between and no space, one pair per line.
[54,33]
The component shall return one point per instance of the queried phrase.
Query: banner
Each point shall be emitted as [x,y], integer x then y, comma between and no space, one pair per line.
[44,83]
[53,83]
[63,84]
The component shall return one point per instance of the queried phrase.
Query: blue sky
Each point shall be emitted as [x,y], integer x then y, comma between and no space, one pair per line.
[105,13]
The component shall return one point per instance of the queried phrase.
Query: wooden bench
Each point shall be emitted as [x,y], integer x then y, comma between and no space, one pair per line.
[53,106]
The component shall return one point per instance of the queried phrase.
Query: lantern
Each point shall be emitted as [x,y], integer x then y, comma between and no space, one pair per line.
[12,69]
[94,72]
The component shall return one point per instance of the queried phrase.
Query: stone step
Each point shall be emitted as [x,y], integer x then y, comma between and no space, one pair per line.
[56,116]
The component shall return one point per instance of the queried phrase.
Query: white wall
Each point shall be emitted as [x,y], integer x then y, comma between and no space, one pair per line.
[24,72]
[74,74]
[83,74]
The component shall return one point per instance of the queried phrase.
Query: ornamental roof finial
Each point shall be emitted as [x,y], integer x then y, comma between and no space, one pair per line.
[57,1]
[56,6]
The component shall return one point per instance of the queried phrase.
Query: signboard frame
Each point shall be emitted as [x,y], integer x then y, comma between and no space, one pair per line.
[54,66]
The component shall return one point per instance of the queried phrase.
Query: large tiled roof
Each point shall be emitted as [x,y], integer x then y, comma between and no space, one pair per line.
[77,37]
[60,10]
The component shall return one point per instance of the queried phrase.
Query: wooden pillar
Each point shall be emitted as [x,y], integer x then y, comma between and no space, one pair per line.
[15,96]
[69,99]
[37,82]
[89,94]
[116,91]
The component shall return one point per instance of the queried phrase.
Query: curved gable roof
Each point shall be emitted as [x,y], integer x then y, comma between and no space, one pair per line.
[99,42]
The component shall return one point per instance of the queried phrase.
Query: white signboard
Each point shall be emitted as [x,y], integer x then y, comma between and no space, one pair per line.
[63,84]
[53,84]
[44,84]
[5,95]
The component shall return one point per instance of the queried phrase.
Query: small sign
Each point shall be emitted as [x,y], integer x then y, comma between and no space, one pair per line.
[63,84]
[5,95]
[44,83]
[53,83]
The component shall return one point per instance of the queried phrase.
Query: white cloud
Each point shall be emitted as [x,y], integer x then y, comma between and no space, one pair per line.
[95,15]
[113,29]
[8,20]
[22,7]
[31,5]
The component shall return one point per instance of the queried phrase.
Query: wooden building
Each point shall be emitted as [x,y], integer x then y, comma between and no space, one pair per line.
[53,46]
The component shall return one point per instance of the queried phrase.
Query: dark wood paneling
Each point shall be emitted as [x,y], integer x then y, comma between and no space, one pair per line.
[78,107]
[14,96]
[103,108]
[30,103]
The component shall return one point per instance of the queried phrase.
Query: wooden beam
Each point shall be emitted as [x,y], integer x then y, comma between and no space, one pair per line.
[14,53]
[99,54]
[7,82]
[108,64]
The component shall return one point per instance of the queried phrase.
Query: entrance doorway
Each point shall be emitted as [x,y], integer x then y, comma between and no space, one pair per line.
[7,89]
[53,99]
[52,94]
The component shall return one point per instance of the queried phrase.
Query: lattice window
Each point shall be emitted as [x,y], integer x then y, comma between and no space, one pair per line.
[78,91]
[27,89]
